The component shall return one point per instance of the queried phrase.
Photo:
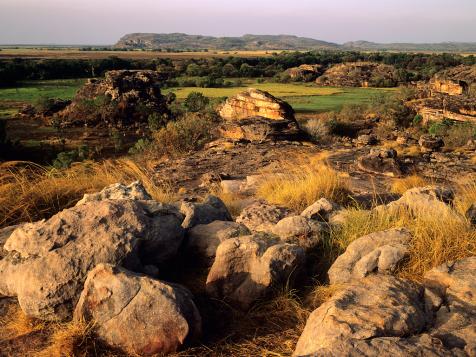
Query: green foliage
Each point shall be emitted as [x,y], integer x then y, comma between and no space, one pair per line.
[157,120]
[455,134]
[196,102]
[392,110]
[66,158]
[140,146]
[186,134]
[117,139]
[417,119]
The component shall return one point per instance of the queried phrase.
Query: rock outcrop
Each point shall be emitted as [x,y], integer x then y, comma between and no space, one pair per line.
[256,116]
[359,74]
[138,314]
[460,80]
[430,143]
[47,262]
[380,162]
[321,210]
[249,268]
[299,230]
[211,209]
[379,252]
[118,191]
[122,98]
[304,72]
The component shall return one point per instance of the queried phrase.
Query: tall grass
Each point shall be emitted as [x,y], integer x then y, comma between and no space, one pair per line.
[302,184]
[403,184]
[30,192]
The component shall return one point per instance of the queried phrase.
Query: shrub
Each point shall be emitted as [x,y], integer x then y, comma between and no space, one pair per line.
[196,102]
[142,145]
[417,119]
[187,133]
[157,120]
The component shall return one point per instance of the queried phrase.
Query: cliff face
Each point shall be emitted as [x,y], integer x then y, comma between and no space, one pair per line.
[450,94]
[359,74]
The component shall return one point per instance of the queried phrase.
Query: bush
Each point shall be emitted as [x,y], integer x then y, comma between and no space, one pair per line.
[196,102]
[417,119]
[140,146]
[186,134]
[157,121]
[66,158]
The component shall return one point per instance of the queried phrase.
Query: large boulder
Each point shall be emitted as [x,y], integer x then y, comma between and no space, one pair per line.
[122,97]
[47,261]
[455,317]
[204,239]
[255,115]
[321,210]
[261,216]
[211,209]
[376,306]
[304,72]
[379,252]
[138,314]
[256,103]
[249,268]
[118,191]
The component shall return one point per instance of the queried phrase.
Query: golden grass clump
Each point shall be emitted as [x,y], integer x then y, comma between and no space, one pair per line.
[299,185]
[401,185]
[15,323]
[437,238]
[29,192]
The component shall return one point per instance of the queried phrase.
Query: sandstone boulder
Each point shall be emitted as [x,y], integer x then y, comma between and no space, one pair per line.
[48,261]
[376,306]
[380,162]
[299,230]
[211,209]
[261,216]
[118,191]
[321,210]
[204,239]
[304,72]
[359,74]
[455,318]
[256,103]
[116,100]
[138,314]
[379,252]
[249,268]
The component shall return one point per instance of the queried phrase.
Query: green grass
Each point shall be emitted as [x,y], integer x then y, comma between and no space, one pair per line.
[303,97]
[29,92]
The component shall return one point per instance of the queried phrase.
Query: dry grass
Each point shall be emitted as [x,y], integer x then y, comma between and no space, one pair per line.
[15,323]
[403,184]
[29,192]
[436,238]
[301,184]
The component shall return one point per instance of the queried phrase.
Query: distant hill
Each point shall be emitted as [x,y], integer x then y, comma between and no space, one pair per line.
[181,41]
[436,47]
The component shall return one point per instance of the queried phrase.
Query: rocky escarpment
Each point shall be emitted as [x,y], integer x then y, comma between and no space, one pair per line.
[359,74]
[120,98]
[450,94]
[256,115]
[304,72]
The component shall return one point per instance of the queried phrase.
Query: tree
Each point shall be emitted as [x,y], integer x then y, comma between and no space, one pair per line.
[196,102]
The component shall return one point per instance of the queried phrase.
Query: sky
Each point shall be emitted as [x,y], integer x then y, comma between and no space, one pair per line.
[105,21]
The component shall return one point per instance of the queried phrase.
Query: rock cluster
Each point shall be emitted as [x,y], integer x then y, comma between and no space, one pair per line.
[359,74]
[115,100]
[380,162]
[256,116]
[304,72]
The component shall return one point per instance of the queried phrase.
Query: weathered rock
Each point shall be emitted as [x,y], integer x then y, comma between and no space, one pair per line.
[249,268]
[119,96]
[138,314]
[376,306]
[5,233]
[380,162]
[48,261]
[364,140]
[256,103]
[118,191]
[379,252]
[455,319]
[261,216]
[424,200]
[359,74]
[232,187]
[429,143]
[211,209]
[204,239]
[299,230]
[423,345]
[471,214]
[321,210]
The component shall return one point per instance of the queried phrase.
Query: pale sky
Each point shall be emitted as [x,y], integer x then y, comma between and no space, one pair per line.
[105,21]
